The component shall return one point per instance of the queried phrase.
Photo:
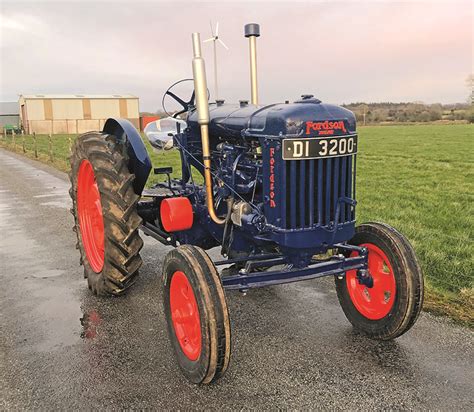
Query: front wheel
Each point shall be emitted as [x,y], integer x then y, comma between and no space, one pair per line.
[391,306]
[196,313]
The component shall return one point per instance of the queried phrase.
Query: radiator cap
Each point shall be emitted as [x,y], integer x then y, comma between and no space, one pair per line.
[308,98]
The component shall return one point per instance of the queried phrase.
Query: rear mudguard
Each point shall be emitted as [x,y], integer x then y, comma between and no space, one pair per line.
[139,162]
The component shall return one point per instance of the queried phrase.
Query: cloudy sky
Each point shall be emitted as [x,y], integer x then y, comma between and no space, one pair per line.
[340,51]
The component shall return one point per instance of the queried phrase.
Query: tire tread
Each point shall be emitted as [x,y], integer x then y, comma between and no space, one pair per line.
[122,242]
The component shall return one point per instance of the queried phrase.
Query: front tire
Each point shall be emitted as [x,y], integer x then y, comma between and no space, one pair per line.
[391,307]
[196,314]
[105,213]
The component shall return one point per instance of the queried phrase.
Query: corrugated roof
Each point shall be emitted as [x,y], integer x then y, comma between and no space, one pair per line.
[11,108]
[78,96]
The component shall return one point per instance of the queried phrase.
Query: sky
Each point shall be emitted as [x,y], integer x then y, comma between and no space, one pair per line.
[340,51]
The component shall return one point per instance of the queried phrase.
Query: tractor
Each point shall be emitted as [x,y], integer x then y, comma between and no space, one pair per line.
[276,193]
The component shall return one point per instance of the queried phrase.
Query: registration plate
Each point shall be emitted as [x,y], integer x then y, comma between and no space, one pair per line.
[314,148]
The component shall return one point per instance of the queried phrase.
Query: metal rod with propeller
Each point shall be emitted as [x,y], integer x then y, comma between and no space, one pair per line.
[215,38]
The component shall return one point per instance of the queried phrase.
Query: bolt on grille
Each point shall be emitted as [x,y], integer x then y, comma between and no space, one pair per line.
[313,188]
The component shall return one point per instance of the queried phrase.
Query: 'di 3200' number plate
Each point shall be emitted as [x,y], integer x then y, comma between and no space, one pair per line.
[314,148]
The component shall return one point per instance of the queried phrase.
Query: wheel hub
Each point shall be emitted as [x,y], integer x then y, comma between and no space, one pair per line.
[365,278]
[91,221]
[373,295]
[185,315]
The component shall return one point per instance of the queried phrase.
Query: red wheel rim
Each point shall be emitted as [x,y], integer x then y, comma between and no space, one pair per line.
[376,302]
[185,315]
[91,221]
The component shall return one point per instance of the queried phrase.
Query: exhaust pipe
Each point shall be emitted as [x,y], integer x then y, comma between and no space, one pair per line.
[202,105]
[252,31]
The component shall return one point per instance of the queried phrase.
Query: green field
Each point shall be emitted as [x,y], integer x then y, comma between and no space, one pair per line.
[420,179]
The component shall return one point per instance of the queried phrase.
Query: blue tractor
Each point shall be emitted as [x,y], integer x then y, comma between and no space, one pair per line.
[276,194]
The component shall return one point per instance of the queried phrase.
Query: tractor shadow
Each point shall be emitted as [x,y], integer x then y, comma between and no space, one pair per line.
[303,325]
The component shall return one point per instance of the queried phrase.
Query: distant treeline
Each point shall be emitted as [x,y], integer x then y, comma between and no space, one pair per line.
[402,112]
[411,112]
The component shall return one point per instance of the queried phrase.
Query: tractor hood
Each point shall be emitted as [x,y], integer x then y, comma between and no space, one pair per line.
[306,117]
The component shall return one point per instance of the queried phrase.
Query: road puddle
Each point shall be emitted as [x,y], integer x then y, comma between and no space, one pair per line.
[40,289]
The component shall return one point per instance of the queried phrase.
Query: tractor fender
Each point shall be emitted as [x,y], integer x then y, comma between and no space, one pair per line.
[139,162]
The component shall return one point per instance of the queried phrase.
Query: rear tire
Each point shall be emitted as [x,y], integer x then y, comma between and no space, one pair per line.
[196,314]
[392,305]
[102,193]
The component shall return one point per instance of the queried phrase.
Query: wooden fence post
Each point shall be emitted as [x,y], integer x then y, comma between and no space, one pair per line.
[23,142]
[35,145]
[13,140]
[50,148]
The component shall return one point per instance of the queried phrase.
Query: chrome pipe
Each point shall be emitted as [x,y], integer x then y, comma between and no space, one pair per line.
[252,31]
[202,106]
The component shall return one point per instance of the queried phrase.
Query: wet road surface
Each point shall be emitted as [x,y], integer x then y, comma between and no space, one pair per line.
[63,348]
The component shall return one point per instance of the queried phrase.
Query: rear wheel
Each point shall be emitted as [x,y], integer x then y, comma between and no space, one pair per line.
[196,314]
[391,306]
[104,209]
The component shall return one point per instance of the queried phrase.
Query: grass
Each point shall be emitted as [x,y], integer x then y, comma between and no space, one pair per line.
[61,144]
[168,158]
[419,179]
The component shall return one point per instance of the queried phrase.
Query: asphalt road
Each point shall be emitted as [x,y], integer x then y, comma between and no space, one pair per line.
[63,348]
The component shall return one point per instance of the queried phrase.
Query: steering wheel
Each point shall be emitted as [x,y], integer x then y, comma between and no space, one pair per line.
[186,104]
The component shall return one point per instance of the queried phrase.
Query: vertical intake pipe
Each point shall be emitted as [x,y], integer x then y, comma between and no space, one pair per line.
[252,31]
[202,105]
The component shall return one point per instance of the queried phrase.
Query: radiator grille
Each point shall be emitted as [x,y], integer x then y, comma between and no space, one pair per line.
[313,188]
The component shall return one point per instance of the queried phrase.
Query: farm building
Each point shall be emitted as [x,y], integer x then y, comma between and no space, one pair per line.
[9,115]
[74,113]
